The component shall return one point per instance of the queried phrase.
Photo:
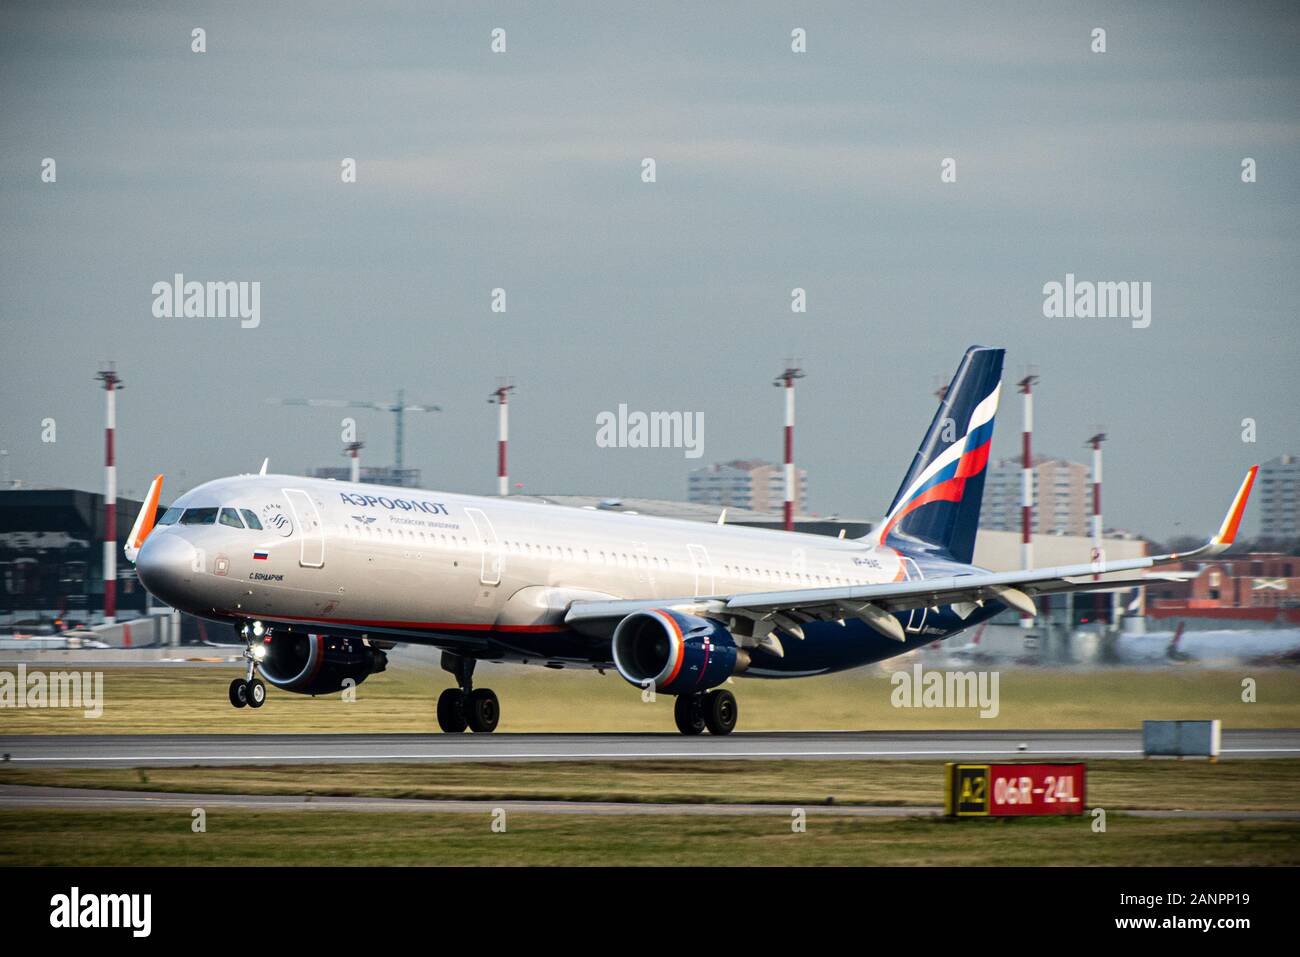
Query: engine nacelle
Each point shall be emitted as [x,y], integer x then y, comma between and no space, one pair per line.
[675,653]
[318,664]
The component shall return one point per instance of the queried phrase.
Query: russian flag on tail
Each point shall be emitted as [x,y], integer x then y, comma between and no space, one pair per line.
[937,505]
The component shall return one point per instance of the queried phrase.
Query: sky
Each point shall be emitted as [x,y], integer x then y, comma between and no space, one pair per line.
[774,170]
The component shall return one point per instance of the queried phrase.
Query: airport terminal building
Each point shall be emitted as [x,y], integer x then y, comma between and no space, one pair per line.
[52,556]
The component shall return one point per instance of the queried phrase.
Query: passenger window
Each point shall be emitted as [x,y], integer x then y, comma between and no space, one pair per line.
[199,516]
[251,519]
[230,517]
[170,516]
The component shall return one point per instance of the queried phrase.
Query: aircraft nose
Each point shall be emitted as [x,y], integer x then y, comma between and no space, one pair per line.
[165,565]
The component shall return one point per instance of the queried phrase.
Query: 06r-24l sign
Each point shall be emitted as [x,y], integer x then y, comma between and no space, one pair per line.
[990,790]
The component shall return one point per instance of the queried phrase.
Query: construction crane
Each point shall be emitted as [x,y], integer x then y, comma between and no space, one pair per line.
[399,408]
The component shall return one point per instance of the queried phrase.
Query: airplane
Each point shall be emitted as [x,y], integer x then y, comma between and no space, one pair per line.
[320,578]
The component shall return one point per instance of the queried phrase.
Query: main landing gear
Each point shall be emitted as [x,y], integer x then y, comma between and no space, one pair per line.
[249,691]
[465,706]
[715,710]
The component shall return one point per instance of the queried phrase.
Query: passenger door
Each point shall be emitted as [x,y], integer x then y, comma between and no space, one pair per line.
[491,562]
[916,617]
[703,570]
[312,534]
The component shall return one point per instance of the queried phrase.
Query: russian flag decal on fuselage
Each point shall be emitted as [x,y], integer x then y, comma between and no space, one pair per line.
[260,556]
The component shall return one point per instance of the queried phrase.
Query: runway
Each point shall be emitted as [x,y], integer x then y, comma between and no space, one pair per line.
[230,749]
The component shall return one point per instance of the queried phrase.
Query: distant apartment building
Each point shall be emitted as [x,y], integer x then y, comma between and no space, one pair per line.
[1279,493]
[1061,497]
[752,484]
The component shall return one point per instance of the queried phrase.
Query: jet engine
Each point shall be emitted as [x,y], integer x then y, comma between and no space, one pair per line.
[317,664]
[675,653]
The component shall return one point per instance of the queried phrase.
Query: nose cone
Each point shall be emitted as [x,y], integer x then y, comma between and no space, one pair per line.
[165,566]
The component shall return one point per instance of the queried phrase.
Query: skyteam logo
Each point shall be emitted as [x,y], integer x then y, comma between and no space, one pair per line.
[273,517]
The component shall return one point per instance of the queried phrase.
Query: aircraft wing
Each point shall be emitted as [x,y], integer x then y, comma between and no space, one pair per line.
[788,610]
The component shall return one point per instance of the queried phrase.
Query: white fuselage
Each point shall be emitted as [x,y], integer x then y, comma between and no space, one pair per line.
[404,562]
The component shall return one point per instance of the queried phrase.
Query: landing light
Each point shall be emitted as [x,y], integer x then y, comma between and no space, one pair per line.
[259,629]
[259,652]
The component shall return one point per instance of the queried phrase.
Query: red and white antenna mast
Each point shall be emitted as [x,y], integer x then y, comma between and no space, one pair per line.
[353,451]
[787,378]
[108,376]
[1097,554]
[501,398]
[1027,482]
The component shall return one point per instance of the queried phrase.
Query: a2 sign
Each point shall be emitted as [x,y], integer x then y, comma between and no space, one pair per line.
[991,790]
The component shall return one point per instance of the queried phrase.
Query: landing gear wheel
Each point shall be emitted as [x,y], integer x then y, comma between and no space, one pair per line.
[255,692]
[451,711]
[689,714]
[238,693]
[482,710]
[720,711]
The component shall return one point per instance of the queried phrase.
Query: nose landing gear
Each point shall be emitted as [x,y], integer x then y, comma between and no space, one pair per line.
[249,691]
[465,706]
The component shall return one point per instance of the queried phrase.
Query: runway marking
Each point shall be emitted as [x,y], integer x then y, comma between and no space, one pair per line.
[510,756]
[571,755]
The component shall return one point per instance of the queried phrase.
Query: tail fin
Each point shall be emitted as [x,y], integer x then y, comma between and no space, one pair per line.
[937,507]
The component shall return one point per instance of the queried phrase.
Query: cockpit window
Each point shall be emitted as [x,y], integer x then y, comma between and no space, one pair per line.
[230,517]
[251,519]
[170,516]
[199,516]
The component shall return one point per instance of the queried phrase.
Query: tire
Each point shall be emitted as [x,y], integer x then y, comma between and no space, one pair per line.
[720,711]
[688,714]
[238,693]
[482,711]
[255,693]
[451,711]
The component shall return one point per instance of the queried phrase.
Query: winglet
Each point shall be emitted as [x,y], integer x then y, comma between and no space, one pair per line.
[1227,532]
[144,521]
[1232,521]
[265,462]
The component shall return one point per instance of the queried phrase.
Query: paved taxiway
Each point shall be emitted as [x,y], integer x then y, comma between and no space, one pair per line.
[87,798]
[127,750]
